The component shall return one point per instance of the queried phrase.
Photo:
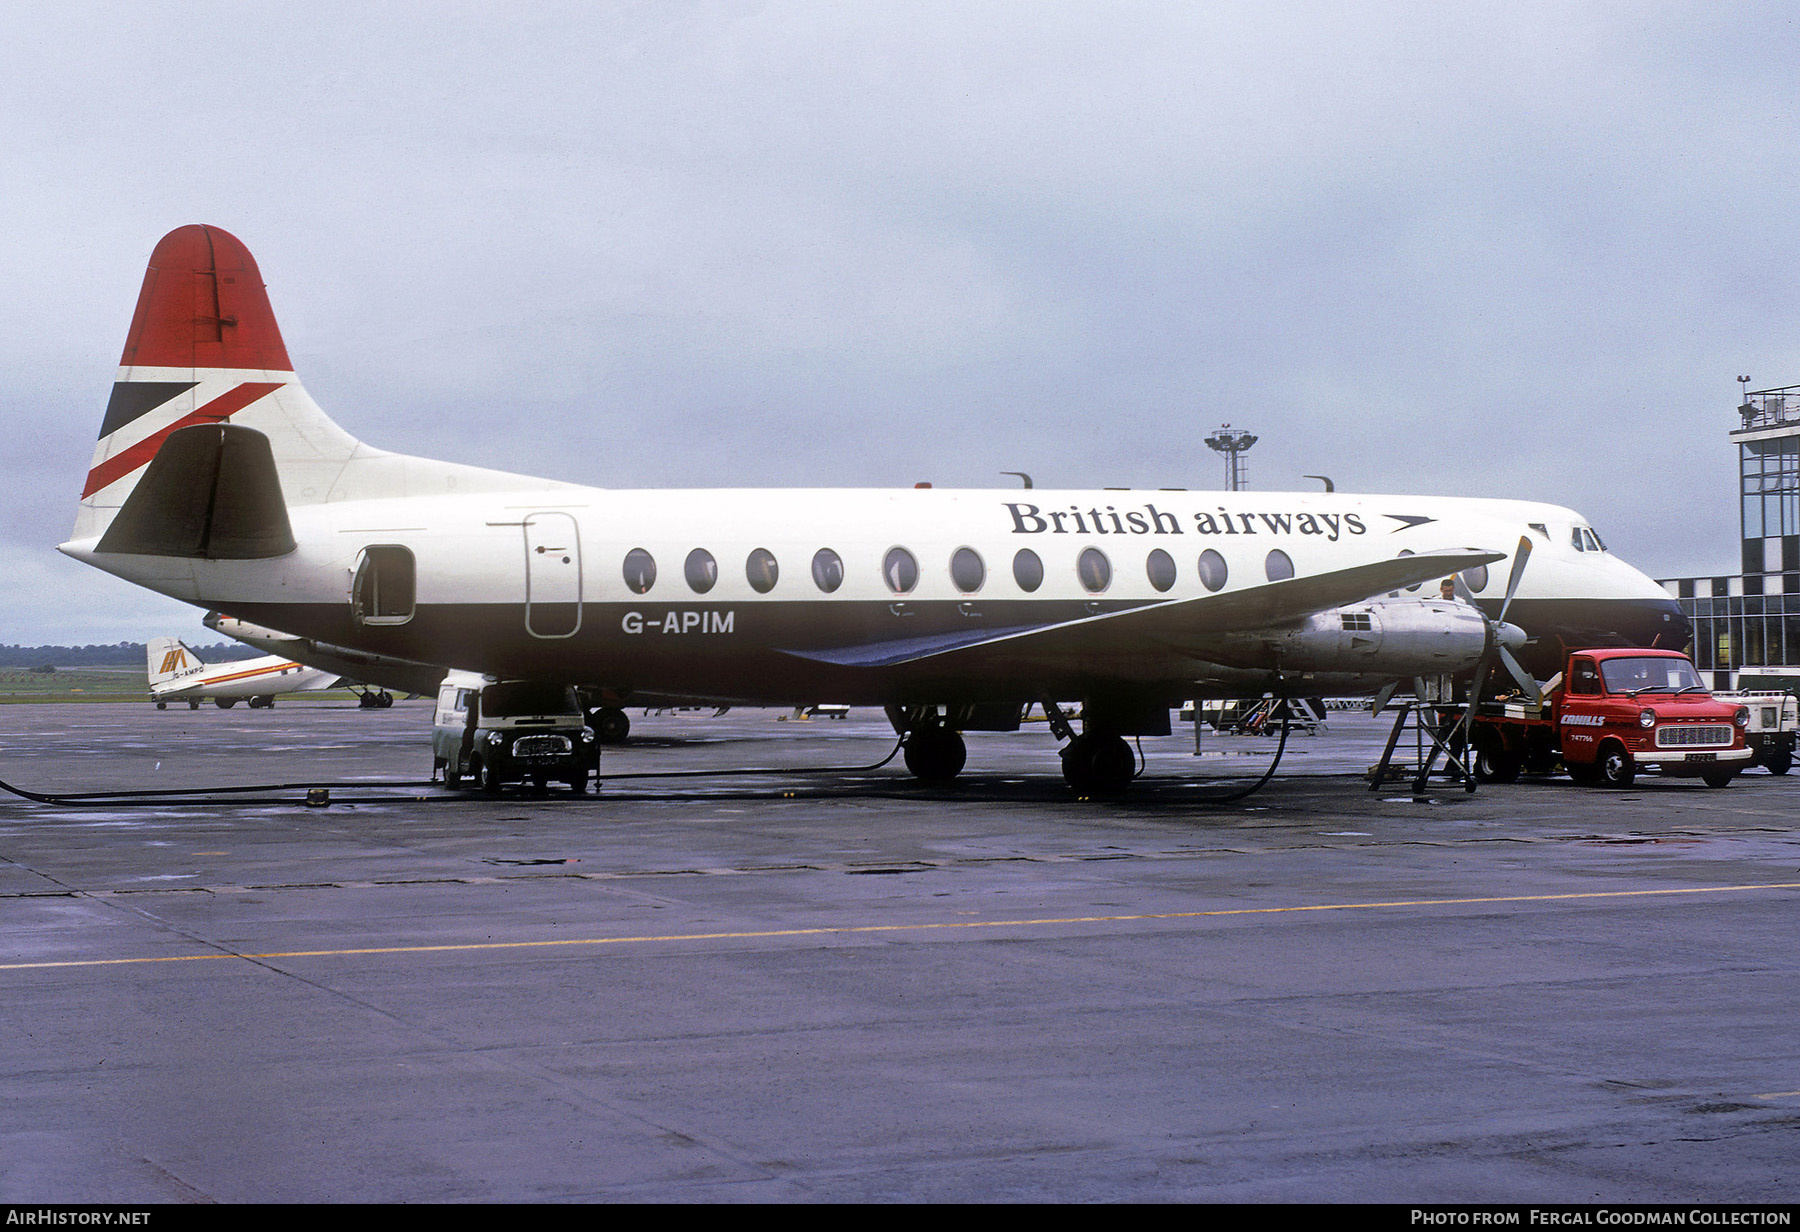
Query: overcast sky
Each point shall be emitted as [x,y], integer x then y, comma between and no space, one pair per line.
[1510,250]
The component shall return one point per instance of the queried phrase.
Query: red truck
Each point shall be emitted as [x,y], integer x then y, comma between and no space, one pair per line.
[1610,714]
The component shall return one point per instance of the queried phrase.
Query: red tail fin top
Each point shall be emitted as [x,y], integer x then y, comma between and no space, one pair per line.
[203,306]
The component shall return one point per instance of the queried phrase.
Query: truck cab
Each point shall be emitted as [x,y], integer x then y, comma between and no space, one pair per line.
[509,731]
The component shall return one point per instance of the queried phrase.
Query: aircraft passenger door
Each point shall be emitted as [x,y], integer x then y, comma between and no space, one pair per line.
[552,575]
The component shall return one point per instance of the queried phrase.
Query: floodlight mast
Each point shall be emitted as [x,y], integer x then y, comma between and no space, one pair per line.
[1233,443]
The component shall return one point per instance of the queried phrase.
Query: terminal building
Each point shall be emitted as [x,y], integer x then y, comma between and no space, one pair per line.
[1747,626]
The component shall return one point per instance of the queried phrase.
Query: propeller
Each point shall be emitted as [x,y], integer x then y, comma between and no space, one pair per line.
[1503,638]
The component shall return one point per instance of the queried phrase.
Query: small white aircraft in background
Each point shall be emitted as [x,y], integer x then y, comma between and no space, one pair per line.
[217,480]
[177,674]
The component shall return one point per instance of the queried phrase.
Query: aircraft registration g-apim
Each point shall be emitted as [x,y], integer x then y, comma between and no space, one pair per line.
[218,481]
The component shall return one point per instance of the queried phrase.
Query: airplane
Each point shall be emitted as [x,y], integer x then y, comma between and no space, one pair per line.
[217,480]
[177,674]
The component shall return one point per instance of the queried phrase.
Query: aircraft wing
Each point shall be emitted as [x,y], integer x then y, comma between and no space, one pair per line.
[1176,624]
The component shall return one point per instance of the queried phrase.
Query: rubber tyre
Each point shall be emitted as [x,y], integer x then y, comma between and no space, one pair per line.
[935,754]
[224,703]
[162,705]
[611,725]
[1718,778]
[485,778]
[453,775]
[1780,763]
[1616,768]
[1496,766]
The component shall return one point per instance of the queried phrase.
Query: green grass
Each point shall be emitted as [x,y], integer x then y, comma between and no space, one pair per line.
[73,684]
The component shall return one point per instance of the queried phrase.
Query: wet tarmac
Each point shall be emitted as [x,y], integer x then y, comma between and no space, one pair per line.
[844,986]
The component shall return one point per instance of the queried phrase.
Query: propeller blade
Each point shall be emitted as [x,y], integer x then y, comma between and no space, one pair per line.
[1518,571]
[1519,674]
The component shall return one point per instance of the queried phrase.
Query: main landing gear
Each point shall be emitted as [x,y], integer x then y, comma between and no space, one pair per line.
[1097,762]
[934,753]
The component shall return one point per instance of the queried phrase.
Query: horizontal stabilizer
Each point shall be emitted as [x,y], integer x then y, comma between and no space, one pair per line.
[210,492]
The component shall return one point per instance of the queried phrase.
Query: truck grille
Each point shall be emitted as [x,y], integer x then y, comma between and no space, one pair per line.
[541,746]
[1682,736]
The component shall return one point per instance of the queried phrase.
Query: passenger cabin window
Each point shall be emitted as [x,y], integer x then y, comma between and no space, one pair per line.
[640,571]
[1415,585]
[900,571]
[967,570]
[1277,566]
[1212,570]
[1476,579]
[1028,570]
[762,570]
[1160,567]
[702,571]
[1094,570]
[382,592]
[827,570]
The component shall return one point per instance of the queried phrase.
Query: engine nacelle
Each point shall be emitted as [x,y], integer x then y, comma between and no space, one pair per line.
[1382,637]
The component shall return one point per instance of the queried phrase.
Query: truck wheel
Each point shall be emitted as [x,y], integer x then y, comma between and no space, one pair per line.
[485,778]
[1616,767]
[1495,765]
[453,775]
[1718,778]
[1780,763]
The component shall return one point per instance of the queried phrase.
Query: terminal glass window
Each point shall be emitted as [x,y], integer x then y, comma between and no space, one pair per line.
[1771,486]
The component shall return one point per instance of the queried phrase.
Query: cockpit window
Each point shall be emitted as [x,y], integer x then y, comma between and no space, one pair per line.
[1541,529]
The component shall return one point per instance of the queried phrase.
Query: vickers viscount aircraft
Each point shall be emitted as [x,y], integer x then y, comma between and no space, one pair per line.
[217,480]
[177,674]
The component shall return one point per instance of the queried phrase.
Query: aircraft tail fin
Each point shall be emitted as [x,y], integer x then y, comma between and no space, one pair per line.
[169,661]
[210,438]
[204,373]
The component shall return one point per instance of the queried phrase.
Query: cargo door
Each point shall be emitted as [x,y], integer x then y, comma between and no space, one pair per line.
[552,575]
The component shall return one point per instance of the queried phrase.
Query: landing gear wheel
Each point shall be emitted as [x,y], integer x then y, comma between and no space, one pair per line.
[224,703]
[1096,765]
[162,705]
[1780,763]
[193,703]
[935,754]
[1616,767]
[485,778]
[1718,778]
[262,702]
[610,724]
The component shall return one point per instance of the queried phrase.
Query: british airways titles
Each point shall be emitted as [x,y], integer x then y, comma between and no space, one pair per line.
[1030,520]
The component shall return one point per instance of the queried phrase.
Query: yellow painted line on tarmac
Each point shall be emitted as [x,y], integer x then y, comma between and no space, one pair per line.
[845,930]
